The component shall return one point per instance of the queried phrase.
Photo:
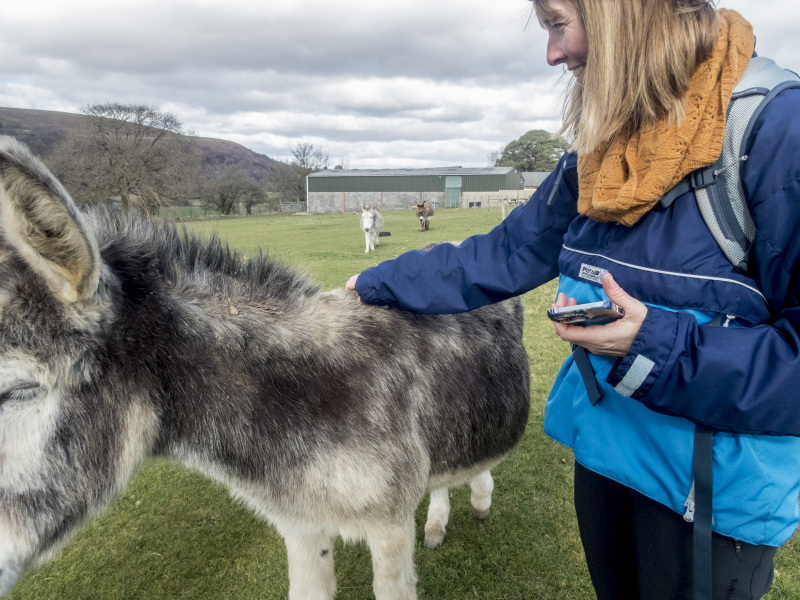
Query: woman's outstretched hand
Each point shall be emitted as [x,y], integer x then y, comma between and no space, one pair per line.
[351,284]
[613,339]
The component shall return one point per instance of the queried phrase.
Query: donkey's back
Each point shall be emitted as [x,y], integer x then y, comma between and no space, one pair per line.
[122,339]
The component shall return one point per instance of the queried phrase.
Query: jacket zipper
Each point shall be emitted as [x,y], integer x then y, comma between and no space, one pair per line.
[663,272]
[557,183]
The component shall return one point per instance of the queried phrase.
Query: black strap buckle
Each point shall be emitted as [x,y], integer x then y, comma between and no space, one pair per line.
[703,177]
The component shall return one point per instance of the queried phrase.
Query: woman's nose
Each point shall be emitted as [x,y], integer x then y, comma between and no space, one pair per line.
[555,53]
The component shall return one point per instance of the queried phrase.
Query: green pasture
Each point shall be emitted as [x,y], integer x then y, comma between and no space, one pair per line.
[175,534]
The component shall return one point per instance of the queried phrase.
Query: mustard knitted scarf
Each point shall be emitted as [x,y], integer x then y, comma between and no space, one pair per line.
[623,179]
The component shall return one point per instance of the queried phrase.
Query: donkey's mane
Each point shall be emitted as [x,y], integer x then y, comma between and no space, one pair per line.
[145,244]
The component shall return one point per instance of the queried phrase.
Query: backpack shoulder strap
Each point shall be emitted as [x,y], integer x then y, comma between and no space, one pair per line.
[718,188]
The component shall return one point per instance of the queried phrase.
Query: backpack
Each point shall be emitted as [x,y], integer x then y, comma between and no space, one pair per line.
[721,200]
[718,187]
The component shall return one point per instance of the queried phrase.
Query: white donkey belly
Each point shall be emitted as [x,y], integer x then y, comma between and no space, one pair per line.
[348,493]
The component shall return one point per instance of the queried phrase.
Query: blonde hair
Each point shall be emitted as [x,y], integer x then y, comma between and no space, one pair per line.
[641,57]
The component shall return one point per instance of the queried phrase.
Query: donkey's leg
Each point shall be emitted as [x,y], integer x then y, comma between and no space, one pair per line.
[366,239]
[438,515]
[482,486]
[392,549]
[311,575]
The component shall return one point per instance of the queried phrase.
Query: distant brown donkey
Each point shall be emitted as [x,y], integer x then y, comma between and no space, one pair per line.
[424,212]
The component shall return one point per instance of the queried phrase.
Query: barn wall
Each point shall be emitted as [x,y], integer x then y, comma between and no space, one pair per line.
[349,202]
[413,183]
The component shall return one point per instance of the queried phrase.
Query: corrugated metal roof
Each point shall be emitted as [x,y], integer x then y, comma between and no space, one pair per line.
[414,172]
[534,178]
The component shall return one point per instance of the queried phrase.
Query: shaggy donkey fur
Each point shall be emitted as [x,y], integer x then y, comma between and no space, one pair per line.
[122,339]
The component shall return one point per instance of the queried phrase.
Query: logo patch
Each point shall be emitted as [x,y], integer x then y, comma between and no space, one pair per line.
[592,273]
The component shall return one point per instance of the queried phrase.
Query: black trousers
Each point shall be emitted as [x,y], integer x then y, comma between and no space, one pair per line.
[638,549]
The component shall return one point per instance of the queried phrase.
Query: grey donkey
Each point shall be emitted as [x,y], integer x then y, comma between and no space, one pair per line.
[122,338]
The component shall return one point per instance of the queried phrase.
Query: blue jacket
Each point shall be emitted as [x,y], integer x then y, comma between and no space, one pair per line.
[717,347]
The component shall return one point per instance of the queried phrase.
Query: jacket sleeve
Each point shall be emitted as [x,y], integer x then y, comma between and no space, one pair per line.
[516,256]
[738,379]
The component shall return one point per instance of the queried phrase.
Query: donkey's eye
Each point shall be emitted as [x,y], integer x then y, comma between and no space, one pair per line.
[24,391]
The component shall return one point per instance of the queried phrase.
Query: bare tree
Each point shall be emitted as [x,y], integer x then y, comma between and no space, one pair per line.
[290,184]
[231,189]
[309,158]
[128,151]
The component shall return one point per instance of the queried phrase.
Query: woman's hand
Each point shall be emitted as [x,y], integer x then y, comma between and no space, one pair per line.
[351,285]
[613,339]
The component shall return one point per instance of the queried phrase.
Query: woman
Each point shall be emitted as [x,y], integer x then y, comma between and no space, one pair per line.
[701,345]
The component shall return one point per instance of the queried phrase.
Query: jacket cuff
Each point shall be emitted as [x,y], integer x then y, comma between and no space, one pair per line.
[365,288]
[636,373]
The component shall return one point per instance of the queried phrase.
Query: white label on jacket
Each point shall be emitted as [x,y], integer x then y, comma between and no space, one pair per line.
[592,273]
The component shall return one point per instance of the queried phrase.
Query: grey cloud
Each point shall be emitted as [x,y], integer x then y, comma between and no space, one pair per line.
[383,84]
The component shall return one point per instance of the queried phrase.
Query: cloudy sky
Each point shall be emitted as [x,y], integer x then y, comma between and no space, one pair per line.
[415,83]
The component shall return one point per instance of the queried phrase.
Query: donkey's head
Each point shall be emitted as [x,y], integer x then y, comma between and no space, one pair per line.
[63,439]
[422,208]
[367,217]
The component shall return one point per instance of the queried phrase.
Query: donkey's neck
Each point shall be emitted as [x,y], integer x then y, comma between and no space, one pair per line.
[242,377]
[236,356]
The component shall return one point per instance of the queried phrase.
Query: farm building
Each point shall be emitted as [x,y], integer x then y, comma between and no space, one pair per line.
[394,189]
[533,179]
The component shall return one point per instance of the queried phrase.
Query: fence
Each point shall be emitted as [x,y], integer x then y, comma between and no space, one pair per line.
[297,206]
[186,212]
[494,199]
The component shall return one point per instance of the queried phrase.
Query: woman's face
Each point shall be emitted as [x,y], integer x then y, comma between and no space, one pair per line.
[567,43]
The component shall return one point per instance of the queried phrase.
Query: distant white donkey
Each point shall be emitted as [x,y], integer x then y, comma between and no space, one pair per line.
[371,224]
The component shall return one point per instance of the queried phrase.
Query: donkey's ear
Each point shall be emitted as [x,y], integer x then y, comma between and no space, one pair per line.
[41,221]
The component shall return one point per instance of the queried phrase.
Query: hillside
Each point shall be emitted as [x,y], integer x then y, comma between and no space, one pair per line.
[42,130]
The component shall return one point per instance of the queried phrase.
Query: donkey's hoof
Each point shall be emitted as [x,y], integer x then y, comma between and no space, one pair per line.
[480,514]
[434,537]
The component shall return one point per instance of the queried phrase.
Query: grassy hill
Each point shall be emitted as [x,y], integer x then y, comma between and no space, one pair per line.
[42,130]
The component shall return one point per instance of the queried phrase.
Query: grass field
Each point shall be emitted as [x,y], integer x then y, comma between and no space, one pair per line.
[174,534]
